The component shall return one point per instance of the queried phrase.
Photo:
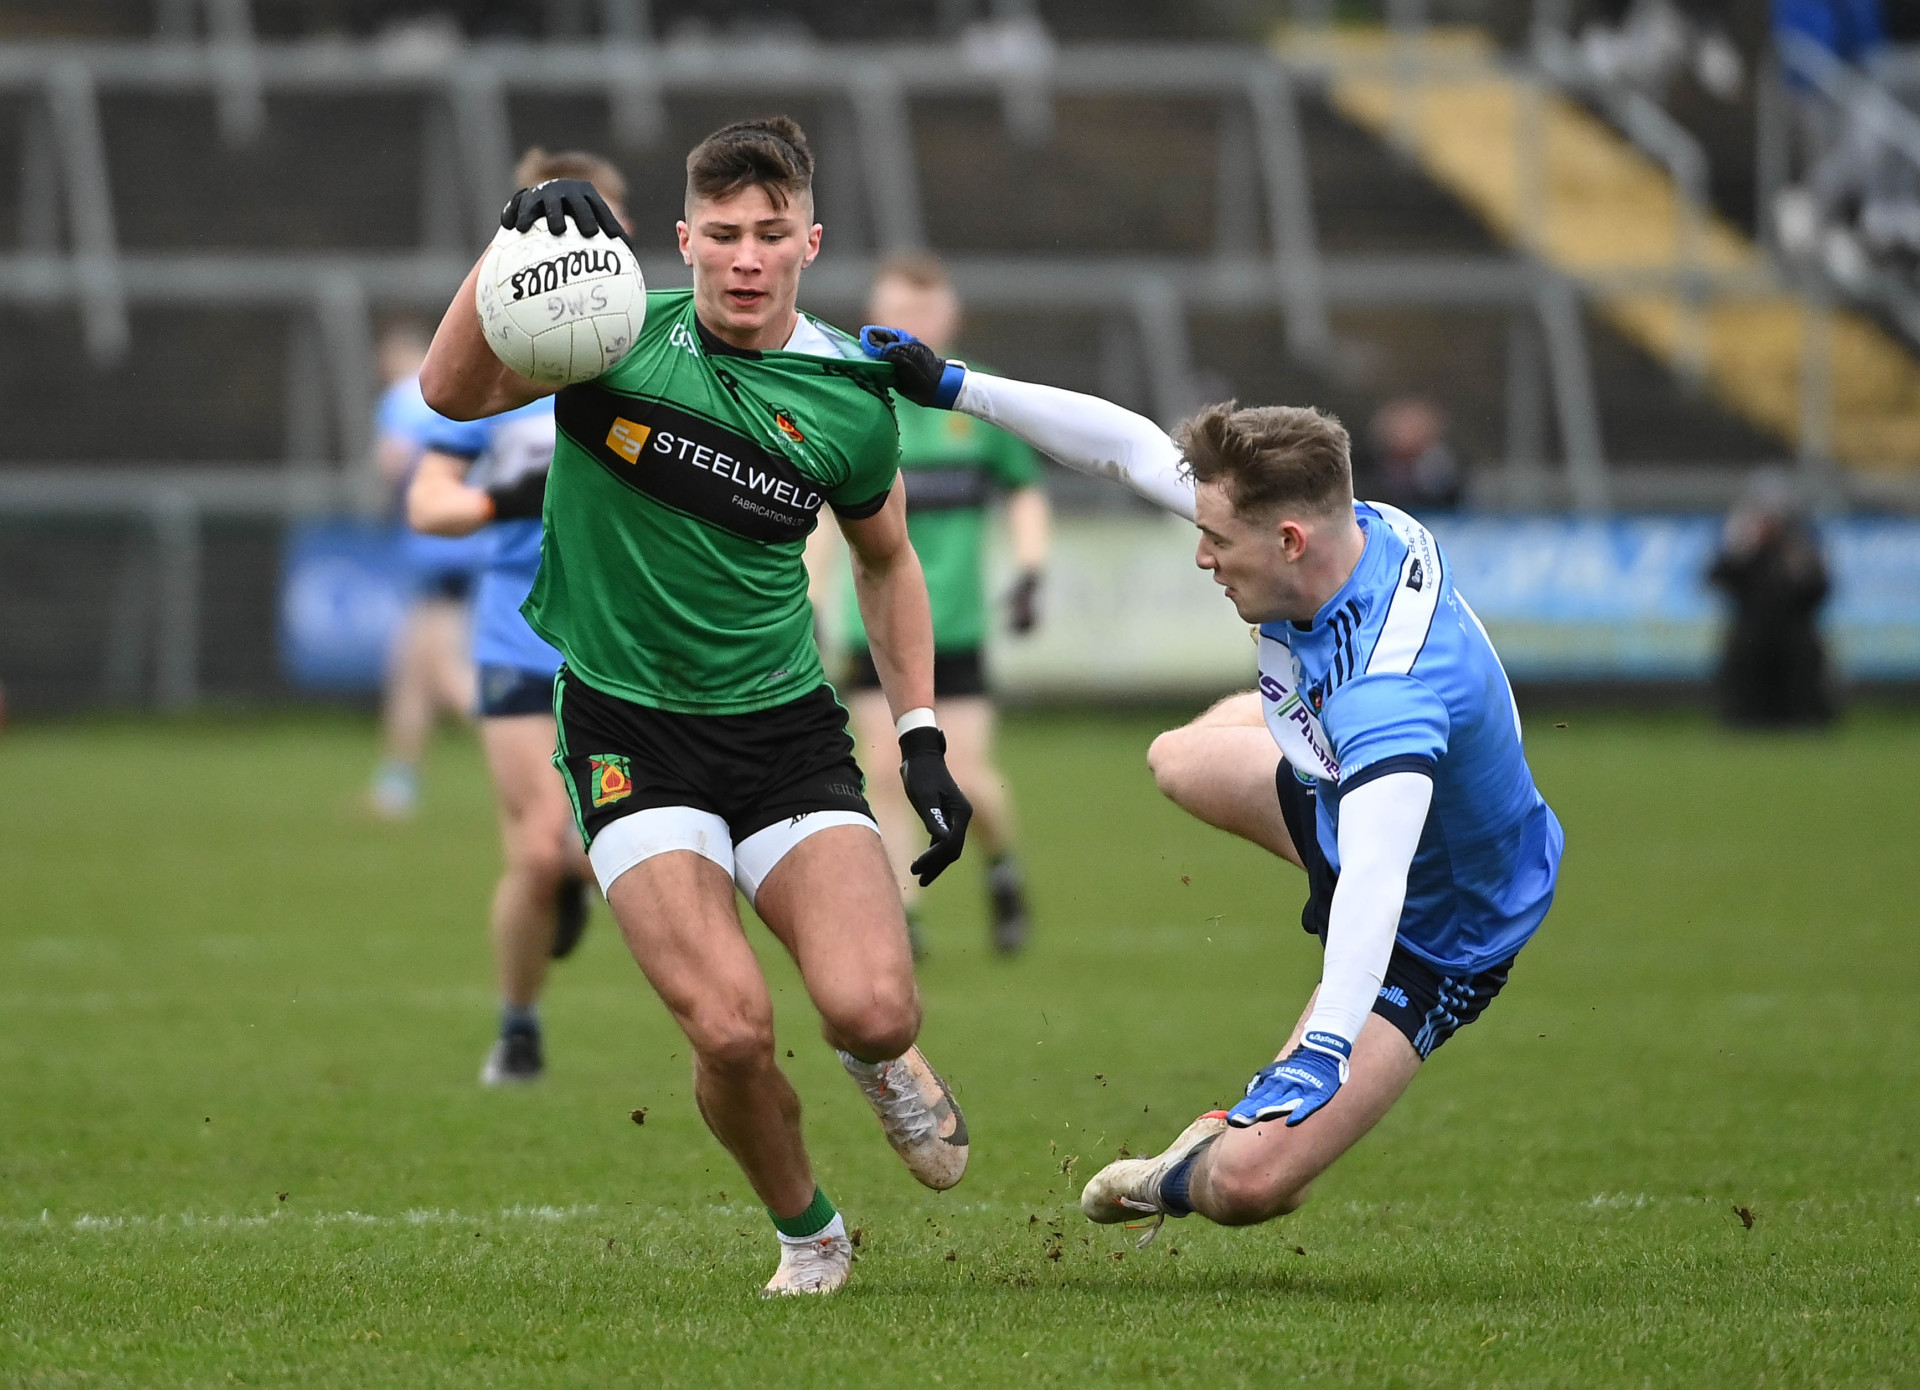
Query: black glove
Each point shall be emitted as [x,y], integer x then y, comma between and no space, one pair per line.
[931,789]
[1023,602]
[557,200]
[919,374]
[520,499]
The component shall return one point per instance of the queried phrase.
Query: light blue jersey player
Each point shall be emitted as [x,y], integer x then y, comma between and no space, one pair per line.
[1395,673]
[487,478]
[506,454]
[1389,767]
[429,669]
[437,567]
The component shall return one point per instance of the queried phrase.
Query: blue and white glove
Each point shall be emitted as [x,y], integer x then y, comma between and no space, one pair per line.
[1296,1085]
[919,374]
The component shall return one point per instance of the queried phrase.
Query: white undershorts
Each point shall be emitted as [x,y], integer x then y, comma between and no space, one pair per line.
[635,838]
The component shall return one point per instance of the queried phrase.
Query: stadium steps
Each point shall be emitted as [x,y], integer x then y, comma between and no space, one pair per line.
[1609,209]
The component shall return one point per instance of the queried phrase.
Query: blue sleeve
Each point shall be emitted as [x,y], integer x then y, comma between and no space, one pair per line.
[1385,723]
[465,439]
[386,415]
[403,410]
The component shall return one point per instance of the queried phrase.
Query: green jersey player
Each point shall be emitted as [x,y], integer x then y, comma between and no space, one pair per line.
[699,740]
[951,465]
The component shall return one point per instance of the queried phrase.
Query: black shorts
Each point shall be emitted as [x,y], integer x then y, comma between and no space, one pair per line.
[1425,1003]
[955,674]
[448,586]
[751,770]
[511,690]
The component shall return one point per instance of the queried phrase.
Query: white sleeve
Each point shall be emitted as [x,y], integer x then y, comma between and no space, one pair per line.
[1086,434]
[1380,824]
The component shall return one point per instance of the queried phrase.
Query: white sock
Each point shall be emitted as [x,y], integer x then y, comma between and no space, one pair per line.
[835,1227]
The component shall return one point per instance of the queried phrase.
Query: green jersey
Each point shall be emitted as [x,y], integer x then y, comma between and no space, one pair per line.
[684,484]
[949,463]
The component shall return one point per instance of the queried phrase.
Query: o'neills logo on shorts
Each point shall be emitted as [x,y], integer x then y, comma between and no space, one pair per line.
[543,277]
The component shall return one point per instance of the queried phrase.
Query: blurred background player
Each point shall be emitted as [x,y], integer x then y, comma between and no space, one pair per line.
[1409,462]
[1773,664]
[429,669]
[490,477]
[950,464]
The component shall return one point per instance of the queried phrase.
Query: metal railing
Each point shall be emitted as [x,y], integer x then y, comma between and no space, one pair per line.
[1261,177]
[159,597]
[469,147]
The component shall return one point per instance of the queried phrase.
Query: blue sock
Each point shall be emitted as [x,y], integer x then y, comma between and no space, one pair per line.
[1173,1187]
[515,1018]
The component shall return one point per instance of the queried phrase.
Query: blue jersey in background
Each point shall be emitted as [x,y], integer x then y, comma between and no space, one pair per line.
[504,448]
[1396,674]
[434,564]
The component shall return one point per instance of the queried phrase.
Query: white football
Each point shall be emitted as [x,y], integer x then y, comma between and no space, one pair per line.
[559,309]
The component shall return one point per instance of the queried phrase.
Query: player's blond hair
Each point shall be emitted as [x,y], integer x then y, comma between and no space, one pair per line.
[538,165]
[918,269]
[1271,458]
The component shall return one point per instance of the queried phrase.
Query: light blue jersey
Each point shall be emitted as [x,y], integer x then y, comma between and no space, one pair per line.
[505,448]
[1395,673]
[432,561]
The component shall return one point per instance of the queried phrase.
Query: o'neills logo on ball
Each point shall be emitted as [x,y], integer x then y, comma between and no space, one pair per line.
[545,276]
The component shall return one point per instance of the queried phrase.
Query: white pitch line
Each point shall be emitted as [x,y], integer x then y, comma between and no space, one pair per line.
[188,1220]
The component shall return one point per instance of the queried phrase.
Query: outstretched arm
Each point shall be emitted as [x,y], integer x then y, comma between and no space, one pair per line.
[1084,433]
[1087,434]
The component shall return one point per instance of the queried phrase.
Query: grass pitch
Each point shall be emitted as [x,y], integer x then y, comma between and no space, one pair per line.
[241,1139]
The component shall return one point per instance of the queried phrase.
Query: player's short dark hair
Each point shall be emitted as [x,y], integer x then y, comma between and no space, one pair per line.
[920,269]
[770,153]
[1271,457]
[538,165]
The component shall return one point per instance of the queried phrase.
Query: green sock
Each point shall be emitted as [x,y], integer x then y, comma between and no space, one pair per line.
[815,1218]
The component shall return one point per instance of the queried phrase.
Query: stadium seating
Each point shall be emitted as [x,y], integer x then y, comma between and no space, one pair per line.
[210,223]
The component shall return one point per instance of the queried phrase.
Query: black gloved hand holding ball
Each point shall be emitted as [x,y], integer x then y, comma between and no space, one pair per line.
[557,201]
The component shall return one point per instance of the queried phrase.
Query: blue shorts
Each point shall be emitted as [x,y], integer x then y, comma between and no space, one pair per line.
[510,690]
[1427,1004]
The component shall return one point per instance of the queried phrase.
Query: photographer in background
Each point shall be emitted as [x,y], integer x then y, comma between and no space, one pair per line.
[1773,669]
